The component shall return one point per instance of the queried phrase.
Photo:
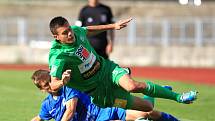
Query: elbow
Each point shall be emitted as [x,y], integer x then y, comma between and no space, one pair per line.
[68,116]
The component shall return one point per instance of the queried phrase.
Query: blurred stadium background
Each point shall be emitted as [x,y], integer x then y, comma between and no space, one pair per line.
[163,33]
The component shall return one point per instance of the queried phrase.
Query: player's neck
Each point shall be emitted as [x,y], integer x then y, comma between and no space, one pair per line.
[54,97]
[55,94]
[93,4]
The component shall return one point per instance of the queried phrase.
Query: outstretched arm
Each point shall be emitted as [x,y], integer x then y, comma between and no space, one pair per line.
[57,83]
[70,109]
[92,30]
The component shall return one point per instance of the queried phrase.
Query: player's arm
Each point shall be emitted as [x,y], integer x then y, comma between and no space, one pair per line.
[37,118]
[93,30]
[110,33]
[111,36]
[70,109]
[57,83]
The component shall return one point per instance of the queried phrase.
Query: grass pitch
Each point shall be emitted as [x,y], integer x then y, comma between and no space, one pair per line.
[20,100]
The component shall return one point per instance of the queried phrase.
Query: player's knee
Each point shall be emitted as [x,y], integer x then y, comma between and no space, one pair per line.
[150,114]
[145,106]
[134,86]
[131,87]
[149,107]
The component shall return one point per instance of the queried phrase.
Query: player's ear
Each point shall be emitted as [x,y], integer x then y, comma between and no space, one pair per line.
[55,36]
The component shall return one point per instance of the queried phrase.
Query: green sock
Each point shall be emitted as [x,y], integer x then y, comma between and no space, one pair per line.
[154,90]
[150,99]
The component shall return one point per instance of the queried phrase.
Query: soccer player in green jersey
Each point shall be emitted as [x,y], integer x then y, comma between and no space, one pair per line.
[107,82]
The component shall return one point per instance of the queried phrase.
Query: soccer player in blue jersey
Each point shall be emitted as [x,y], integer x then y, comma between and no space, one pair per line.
[69,104]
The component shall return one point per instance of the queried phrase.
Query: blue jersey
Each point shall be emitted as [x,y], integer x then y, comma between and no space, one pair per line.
[54,107]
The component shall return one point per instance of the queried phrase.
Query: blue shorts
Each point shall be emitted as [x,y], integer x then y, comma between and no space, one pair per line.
[112,113]
[104,114]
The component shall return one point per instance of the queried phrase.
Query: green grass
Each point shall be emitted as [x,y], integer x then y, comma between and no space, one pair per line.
[203,109]
[20,100]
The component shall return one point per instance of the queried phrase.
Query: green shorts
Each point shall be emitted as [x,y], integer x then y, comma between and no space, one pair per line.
[108,93]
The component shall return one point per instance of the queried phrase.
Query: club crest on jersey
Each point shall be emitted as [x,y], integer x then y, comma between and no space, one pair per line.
[82,53]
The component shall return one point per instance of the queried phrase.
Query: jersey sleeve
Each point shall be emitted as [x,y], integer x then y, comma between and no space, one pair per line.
[44,113]
[81,31]
[84,30]
[56,69]
[71,93]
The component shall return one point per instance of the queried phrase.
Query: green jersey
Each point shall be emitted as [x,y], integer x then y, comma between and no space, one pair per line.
[79,56]
[89,71]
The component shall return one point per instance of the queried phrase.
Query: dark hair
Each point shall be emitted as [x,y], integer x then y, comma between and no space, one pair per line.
[40,75]
[57,22]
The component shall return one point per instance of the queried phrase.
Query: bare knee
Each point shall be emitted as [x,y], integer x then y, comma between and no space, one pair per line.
[149,107]
[134,86]
[131,85]
[154,114]
[141,104]
[146,107]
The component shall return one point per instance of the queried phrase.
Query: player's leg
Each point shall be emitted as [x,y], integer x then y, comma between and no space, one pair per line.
[145,97]
[154,90]
[114,113]
[134,114]
[124,99]
[152,115]
[111,113]
[152,99]
[122,78]
[140,104]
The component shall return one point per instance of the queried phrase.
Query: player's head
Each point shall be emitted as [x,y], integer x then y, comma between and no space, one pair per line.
[93,3]
[41,79]
[60,28]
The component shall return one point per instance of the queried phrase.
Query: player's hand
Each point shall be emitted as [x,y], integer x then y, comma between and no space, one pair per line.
[122,23]
[66,76]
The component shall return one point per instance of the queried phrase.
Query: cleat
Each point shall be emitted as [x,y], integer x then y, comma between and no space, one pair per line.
[188,97]
[168,87]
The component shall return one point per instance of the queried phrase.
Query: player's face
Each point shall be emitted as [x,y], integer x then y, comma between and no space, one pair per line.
[44,86]
[65,34]
[93,2]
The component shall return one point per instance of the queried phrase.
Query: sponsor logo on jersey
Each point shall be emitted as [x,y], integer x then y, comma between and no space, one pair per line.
[82,53]
[103,18]
[53,110]
[120,103]
[64,102]
[87,64]
[90,64]
[92,71]
[90,19]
